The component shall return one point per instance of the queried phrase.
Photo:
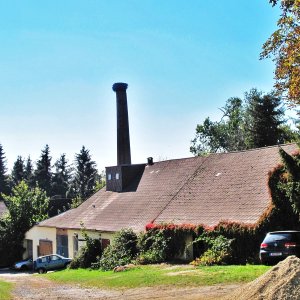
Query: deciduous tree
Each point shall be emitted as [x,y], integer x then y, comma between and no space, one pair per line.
[25,208]
[284,47]
[255,122]
[224,135]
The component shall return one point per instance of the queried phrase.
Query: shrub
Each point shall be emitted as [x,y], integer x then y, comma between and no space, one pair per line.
[246,240]
[88,254]
[153,246]
[218,250]
[122,251]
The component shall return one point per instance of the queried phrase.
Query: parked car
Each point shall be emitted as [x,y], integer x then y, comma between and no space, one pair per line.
[278,245]
[50,262]
[23,265]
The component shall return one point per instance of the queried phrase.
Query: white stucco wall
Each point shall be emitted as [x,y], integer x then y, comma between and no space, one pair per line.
[38,233]
[92,234]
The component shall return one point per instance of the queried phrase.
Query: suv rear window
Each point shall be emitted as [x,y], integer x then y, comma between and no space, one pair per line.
[282,236]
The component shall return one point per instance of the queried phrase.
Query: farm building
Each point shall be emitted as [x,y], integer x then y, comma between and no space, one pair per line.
[197,190]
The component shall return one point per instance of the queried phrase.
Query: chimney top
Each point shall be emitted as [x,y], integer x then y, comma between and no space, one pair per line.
[150,161]
[119,86]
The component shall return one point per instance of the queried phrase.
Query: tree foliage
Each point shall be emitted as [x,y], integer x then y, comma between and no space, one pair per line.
[61,177]
[290,183]
[4,183]
[59,181]
[284,47]
[85,177]
[18,171]
[26,207]
[264,117]
[224,135]
[28,173]
[153,246]
[122,251]
[89,254]
[217,249]
[42,174]
[256,121]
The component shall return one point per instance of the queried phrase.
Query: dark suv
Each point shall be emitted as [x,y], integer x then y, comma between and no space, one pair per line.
[278,245]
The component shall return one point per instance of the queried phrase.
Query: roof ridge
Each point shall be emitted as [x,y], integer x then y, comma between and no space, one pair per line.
[258,148]
[235,151]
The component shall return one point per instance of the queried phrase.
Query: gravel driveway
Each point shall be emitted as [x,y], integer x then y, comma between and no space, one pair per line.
[32,286]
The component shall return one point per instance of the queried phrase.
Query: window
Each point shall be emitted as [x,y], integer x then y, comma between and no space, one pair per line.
[54,257]
[117,176]
[108,176]
[43,259]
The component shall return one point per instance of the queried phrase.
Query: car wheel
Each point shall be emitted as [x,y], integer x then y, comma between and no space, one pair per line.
[41,271]
[24,268]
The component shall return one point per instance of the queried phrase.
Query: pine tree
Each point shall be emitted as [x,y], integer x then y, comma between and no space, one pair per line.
[61,177]
[85,177]
[42,174]
[18,171]
[4,183]
[265,115]
[28,173]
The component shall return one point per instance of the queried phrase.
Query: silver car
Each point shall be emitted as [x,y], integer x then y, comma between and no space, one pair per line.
[23,265]
[50,262]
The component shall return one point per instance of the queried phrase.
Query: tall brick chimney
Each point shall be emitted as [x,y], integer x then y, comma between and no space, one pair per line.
[124,177]
[123,139]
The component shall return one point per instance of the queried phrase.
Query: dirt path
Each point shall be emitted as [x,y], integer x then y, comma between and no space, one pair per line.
[29,286]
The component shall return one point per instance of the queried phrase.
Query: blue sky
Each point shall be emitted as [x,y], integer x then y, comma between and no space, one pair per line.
[181,59]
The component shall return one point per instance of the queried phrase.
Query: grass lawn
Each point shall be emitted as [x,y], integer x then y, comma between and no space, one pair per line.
[155,275]
[5,290]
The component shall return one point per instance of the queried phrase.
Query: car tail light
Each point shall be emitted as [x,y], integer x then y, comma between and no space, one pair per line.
[290,245]
[263,245]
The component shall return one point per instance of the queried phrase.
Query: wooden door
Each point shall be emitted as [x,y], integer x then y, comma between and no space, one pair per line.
[45,247]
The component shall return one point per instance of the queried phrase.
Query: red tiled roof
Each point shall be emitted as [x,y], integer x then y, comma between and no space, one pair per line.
[198,190]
